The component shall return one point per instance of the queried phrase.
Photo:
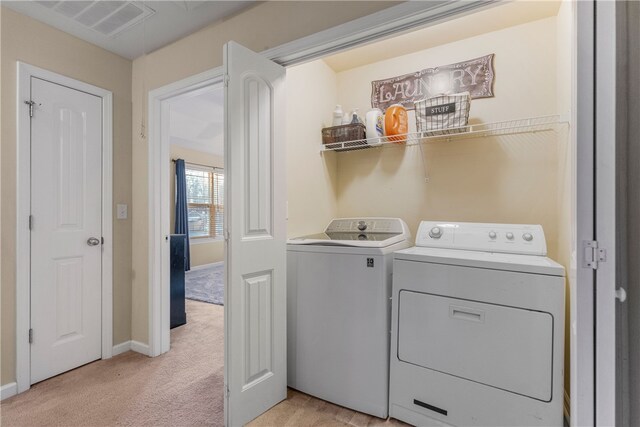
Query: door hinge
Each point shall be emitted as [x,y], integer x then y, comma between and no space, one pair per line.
[30,222]
[102,240]
[593,255]
[227,391]
[30,336]
[225,79]
[226,235]
[30,104]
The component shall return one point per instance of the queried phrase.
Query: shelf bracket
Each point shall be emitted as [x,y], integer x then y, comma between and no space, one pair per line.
[424,165]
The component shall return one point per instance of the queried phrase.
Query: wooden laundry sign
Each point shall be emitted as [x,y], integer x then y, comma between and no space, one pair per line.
[474,76]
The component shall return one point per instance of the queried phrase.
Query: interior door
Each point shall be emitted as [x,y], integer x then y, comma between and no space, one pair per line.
[255,223]
[66,204]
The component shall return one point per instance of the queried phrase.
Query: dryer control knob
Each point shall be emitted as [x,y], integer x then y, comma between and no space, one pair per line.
[527,236]
[510,236]
[362,225]
[492,235]
[435,233]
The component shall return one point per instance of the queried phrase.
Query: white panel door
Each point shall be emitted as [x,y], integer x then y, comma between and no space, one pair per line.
[66,204]
[255,220]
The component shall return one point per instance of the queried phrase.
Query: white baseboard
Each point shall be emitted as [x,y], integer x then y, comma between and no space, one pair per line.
[203,266]
[139,347]
[132,345]
[121,348]
[8,390]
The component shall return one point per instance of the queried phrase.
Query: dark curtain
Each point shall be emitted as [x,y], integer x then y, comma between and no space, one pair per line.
[182,214]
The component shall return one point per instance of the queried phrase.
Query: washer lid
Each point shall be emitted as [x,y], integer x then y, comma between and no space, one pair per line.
[358,232]
[492,260]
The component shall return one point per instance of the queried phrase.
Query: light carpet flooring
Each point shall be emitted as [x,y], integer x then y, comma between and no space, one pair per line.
[180,388]
[183,387]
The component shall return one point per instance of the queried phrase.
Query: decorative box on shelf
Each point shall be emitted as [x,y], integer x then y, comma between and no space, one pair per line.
[351,136]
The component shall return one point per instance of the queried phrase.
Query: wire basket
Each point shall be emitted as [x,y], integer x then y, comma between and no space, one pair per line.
[443,114]
[353,134]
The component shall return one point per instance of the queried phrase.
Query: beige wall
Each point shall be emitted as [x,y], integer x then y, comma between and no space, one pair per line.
[266,25]
[311,177]
[512,179]
[24,39]
[203,251]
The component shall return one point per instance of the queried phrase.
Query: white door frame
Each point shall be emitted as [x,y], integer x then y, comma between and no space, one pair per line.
[606,276]
[160,202]
[23,209]
[583,279]
[389,22]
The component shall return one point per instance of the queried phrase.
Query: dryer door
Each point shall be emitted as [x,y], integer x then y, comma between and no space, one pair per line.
[499,346]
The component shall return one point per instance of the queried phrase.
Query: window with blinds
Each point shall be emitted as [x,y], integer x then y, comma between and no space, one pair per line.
[205,201]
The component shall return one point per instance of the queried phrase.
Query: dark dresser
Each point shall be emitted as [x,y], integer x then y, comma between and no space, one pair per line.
[177,252]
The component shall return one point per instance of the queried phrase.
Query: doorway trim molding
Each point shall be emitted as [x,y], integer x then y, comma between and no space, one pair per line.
[386,23]
[23,208]
[159,203]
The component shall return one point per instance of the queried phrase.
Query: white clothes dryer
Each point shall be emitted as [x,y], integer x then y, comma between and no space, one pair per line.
[477,328]
[339,311]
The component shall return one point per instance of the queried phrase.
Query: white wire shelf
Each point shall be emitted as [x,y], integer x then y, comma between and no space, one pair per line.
[509,127]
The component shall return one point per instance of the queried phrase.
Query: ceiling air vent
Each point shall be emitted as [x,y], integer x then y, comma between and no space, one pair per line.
[106,17]
[72,8]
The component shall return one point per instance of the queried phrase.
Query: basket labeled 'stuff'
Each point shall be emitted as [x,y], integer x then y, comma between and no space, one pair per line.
[443,114]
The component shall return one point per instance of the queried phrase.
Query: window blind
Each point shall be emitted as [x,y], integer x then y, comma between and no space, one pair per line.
[205,201]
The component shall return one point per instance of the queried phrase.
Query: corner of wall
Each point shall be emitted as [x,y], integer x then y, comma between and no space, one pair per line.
[566,154]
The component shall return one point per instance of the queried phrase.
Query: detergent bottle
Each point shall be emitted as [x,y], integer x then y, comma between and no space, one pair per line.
[396,122]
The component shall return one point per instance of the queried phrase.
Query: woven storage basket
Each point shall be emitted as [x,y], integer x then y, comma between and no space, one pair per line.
[353,134]
[443,114]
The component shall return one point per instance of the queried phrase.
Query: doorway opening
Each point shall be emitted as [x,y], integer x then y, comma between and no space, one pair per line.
[196,137]
[507,173]
[185,121]
[188,170]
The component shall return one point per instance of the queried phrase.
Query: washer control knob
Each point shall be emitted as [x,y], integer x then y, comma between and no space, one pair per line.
[527,237]
[435,233]
[510,236]
[492,235]
[362,225]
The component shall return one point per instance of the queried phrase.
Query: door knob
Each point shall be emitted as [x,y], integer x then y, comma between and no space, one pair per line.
[92,241]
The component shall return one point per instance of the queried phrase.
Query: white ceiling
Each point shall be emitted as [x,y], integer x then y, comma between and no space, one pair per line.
[196,121]
[166,22]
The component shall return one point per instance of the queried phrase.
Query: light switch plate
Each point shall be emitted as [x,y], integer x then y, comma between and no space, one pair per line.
[122,211]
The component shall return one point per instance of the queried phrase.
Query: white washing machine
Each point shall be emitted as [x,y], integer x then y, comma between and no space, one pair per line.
[339,311]
[477,328]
